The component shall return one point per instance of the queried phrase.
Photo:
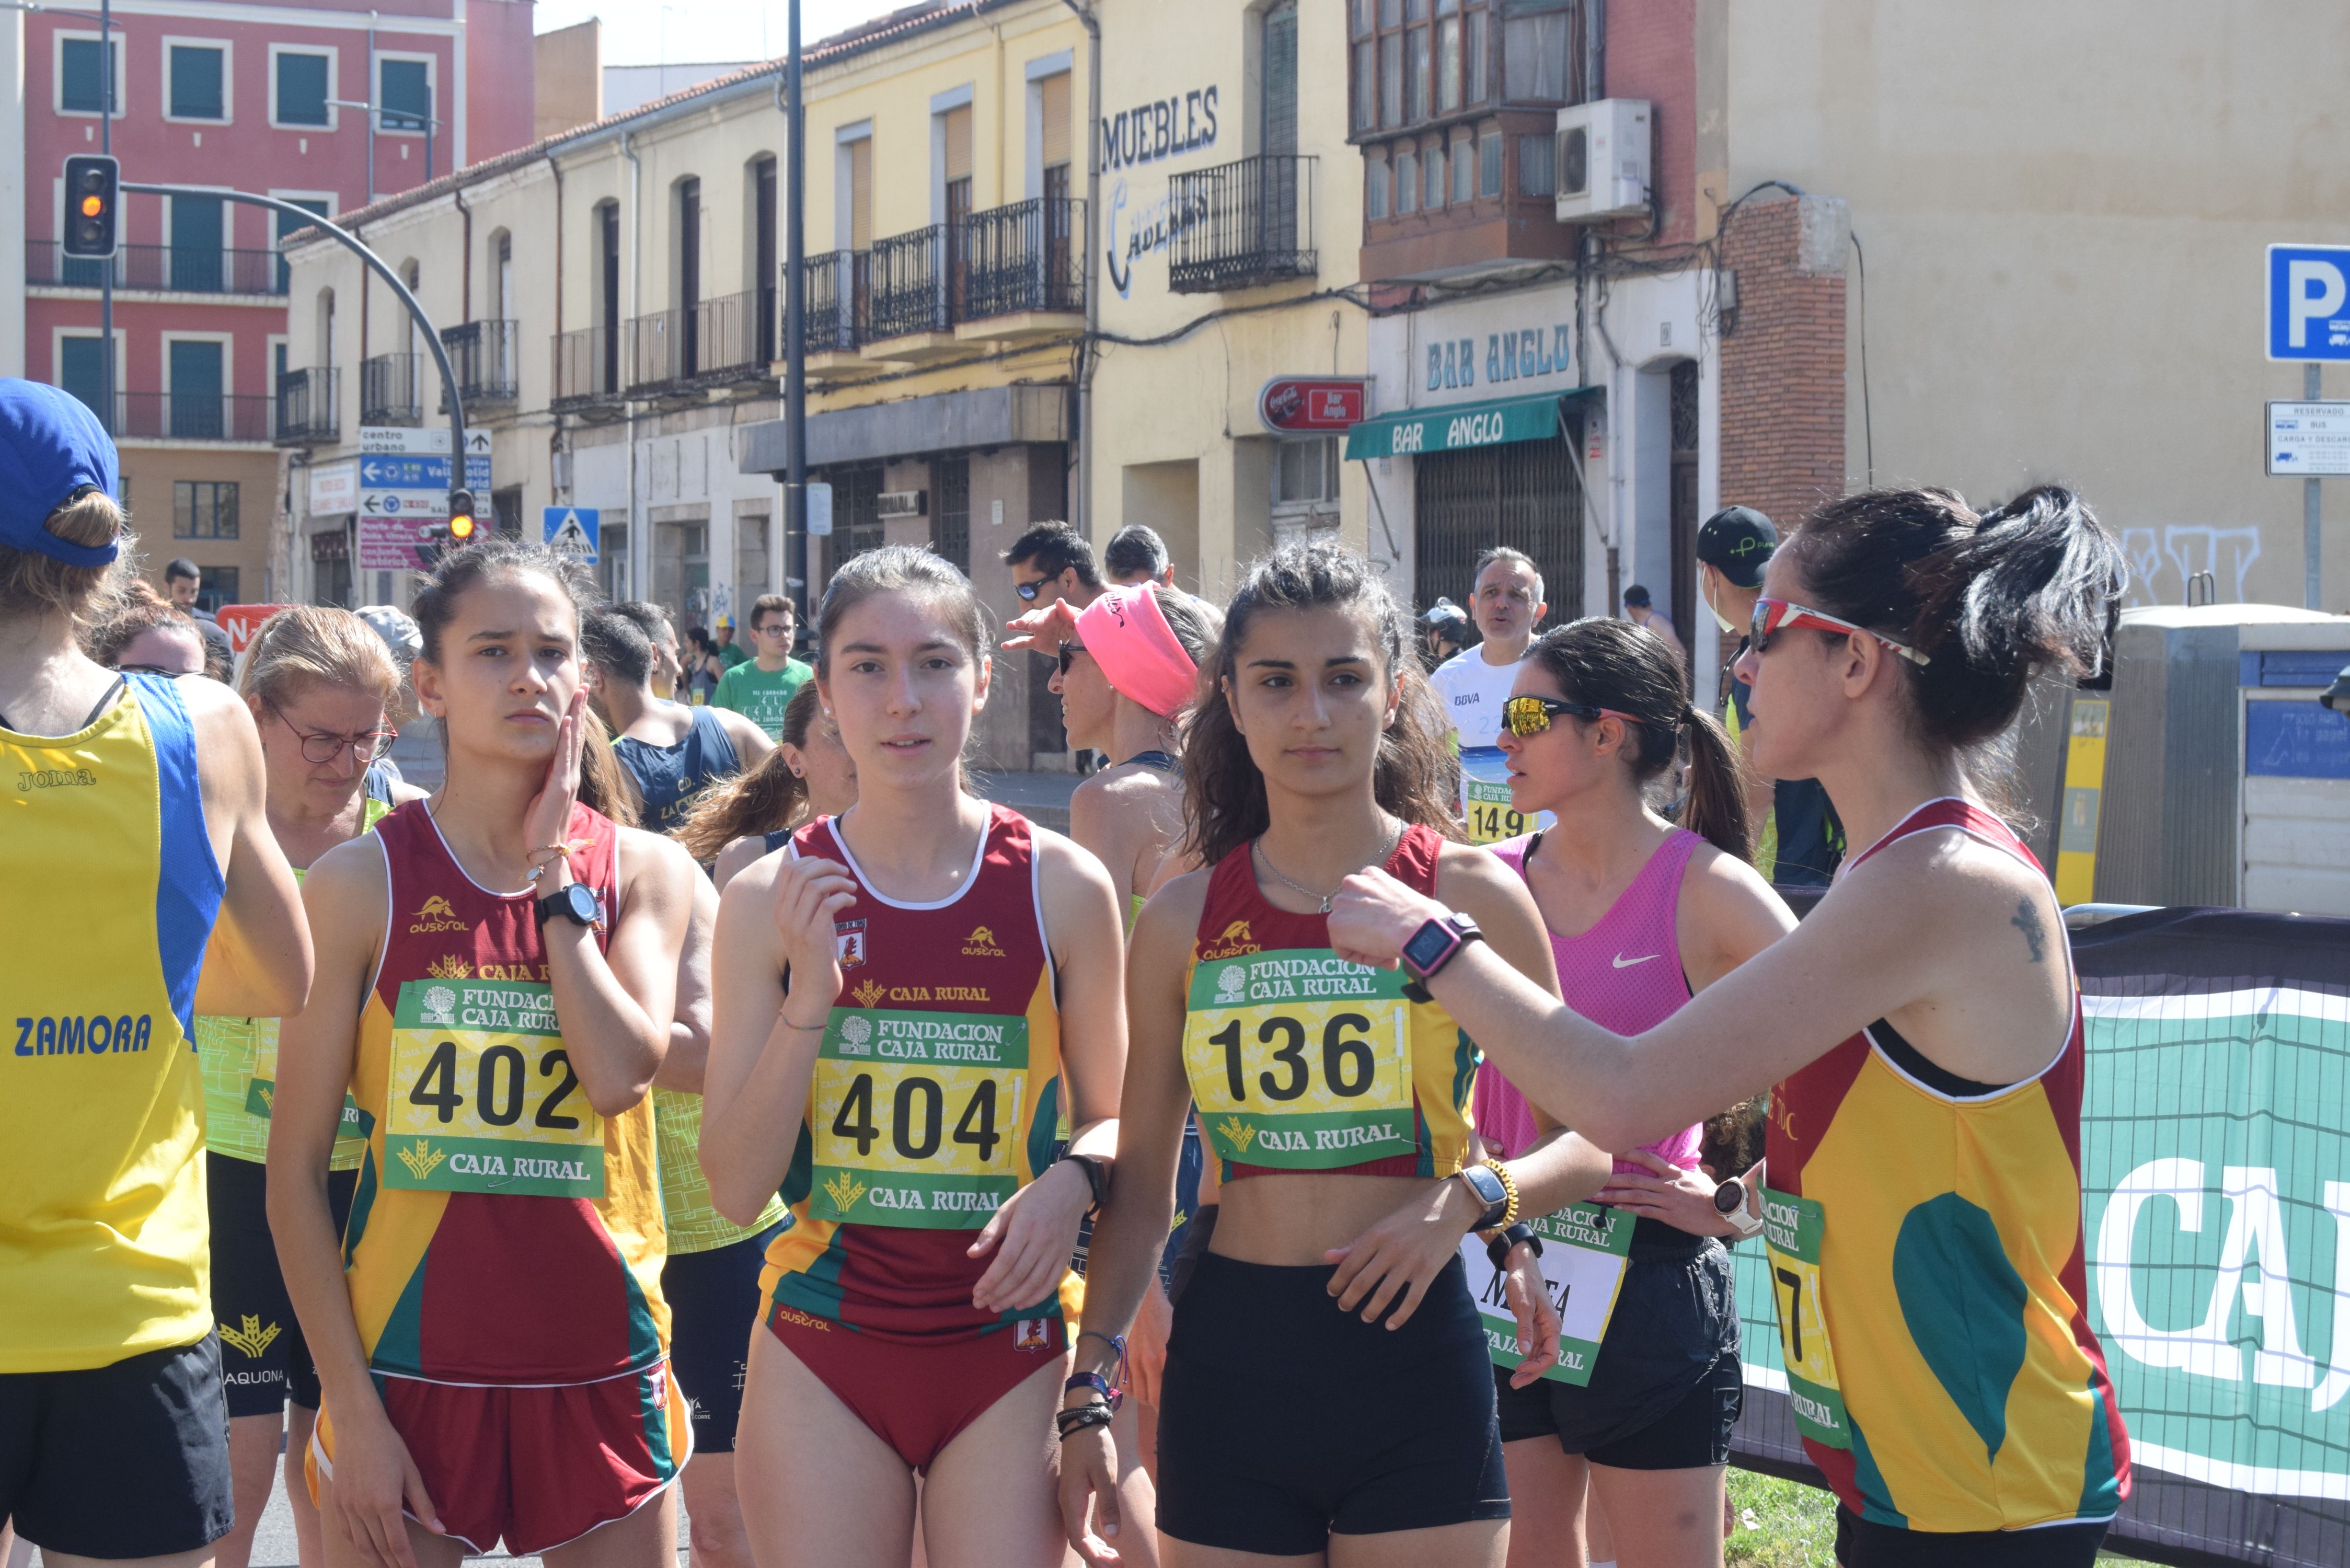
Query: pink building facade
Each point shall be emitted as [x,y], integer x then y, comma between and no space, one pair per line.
[207,96]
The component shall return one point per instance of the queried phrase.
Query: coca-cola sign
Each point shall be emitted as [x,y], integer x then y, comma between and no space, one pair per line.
[1313,405]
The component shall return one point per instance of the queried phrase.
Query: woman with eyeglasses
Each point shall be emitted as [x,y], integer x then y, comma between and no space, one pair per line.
[1920,1033]
[1643,914]
[148,635]
[319,681]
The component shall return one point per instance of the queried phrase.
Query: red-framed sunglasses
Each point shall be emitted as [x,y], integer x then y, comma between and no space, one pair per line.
[1772,616]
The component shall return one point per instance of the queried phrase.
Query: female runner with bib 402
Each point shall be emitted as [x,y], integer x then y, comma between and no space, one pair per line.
[498,969]
[951,979]
[1920,1034]
[1327,1395]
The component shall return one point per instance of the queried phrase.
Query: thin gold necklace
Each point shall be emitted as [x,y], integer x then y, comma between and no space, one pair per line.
[1257,846]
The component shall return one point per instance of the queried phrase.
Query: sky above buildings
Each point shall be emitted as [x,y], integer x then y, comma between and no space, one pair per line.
[658,32]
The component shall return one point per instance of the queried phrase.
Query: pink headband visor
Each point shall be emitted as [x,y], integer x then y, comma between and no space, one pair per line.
[1129,637]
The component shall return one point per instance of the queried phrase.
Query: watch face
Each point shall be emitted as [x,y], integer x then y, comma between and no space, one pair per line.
[581,899]
[1730,1196]
[1427,945]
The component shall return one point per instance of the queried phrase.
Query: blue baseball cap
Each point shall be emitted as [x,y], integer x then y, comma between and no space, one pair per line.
[52,448]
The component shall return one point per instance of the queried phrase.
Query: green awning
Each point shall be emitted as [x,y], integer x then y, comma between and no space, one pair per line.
[1456,427]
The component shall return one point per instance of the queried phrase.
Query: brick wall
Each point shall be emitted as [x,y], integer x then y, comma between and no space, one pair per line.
[1783,360]
[1651,55]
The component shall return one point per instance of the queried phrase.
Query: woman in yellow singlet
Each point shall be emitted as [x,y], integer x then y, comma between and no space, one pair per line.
[1919,1032]
[1329,1396]
[319,683]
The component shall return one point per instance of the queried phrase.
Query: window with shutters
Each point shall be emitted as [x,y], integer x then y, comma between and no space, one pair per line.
[1374,189]
[860,193]
[81,76]
[403,95]
[950,518]
[954,176]
[1056,135]
[1278,73]
[299,86]
[197,79]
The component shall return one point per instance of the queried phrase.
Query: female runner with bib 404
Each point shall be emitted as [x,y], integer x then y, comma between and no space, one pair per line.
[950,980]
[1327,1395]
[1920,1033]
[498,968]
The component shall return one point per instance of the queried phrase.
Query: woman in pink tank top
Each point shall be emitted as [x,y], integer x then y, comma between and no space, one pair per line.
[1640,913]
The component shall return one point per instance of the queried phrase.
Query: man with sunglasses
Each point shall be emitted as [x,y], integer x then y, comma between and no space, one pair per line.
[1474,683]
[1053,561]
[1799,841]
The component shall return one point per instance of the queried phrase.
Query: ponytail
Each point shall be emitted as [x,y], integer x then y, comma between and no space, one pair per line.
[1990,600]
[762,800]
[1611,663]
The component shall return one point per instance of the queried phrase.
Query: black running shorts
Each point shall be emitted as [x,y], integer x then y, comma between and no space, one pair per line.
[127,1460]
[1860,1544]
[1284,1421]
[264,1359]
[713,1305]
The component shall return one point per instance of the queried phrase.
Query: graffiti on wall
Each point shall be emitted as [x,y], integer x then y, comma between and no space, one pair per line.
[2161,567]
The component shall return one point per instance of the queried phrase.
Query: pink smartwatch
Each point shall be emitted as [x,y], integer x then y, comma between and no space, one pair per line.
[1432,947]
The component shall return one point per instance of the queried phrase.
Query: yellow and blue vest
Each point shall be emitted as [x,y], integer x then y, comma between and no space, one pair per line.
[104,1248]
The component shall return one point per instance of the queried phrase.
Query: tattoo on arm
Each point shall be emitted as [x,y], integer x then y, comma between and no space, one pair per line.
[2027,921]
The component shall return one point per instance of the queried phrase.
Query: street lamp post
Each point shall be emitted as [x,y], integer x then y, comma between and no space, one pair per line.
[795,555]
[375,115]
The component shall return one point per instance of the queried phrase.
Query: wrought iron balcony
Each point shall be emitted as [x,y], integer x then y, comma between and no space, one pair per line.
[306,414]
[1025,256]
[836,297]
[482,355]
[176,269]
[587,367]
[388,391]
[1242,224]
[187,416]
[909,295]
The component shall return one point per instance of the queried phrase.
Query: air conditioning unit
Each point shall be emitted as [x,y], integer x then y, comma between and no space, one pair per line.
[1600,160]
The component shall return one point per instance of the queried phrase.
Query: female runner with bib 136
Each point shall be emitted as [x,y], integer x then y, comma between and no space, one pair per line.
[499,969]
[1327,1395]
[1920,1033]
[951,979]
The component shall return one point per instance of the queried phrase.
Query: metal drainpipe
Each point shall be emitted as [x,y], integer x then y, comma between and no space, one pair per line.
[640,541]
[370,113]
[555,437]
[1086,356]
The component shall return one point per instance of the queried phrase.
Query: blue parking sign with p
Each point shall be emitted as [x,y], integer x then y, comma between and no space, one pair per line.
[2309,302]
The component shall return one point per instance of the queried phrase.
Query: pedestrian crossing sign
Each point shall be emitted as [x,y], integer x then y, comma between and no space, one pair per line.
[572,531]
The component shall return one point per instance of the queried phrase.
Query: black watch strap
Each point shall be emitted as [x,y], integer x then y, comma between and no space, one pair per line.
[1500,1247]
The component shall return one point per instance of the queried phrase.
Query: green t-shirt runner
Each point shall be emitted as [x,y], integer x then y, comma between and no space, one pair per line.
[761,695]
[734,655]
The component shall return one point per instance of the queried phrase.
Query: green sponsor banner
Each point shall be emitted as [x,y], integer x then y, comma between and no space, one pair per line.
[493,1165]
[1791,1230]
[937,1039]
[1316,1142]
[869,1197]
[1584,1249]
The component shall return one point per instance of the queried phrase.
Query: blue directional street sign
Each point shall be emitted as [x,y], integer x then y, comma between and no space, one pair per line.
[573,530]
[2309,302]
[420,473]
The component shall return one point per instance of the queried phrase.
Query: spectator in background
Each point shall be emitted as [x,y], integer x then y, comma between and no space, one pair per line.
[1443,632]
[1798,840]
[761,688]
[399,633]
[183,580]
[1136,554]
[702,666]
[1053,561]
[671,753]
[669,668]
[148,635]
[1641,612]
[729,654]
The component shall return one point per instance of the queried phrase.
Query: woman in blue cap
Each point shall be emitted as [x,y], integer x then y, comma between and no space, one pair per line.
[145,889]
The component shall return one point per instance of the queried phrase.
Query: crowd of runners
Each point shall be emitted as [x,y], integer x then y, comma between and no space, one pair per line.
[1323,1153]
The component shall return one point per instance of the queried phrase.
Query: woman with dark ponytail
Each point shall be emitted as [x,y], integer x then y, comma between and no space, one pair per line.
[1920,1033]
[1641,914]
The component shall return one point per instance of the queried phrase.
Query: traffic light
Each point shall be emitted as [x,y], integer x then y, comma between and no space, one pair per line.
[460,516]
[93,194]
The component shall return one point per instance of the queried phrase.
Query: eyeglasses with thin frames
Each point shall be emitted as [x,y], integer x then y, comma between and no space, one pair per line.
[320,747]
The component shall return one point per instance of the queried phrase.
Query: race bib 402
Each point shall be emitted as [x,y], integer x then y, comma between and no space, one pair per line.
[483,1098]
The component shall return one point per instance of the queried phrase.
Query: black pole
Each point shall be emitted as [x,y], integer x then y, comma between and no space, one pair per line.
[106,272]
[795,553]
[376,263]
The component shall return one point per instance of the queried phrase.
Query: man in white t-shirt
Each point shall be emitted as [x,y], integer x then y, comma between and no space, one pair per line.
[1472,684]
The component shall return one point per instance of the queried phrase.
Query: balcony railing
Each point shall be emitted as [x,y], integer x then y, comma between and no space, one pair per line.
[482,355]
[159,269]
[1027,256]
[306,415]
[910,284]
[189,416]
[587,367]
[722,339]
[835,298]
[1241,224]
[388,385]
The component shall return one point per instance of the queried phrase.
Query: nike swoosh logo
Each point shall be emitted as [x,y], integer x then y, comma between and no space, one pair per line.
[1623,963]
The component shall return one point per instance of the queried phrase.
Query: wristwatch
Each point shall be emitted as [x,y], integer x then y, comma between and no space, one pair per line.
[1730,1202]
[1432,947]
[1499,1246]
[574,902]
[1486,1183]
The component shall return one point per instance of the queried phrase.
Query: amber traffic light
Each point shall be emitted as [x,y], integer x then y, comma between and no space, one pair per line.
[93,189]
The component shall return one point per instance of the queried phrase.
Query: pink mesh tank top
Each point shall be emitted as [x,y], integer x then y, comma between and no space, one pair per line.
[1623,974]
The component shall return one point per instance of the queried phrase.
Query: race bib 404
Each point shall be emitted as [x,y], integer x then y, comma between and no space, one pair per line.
[1299,1060]
[1792,1228]
[916,1116]
[483,1098]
